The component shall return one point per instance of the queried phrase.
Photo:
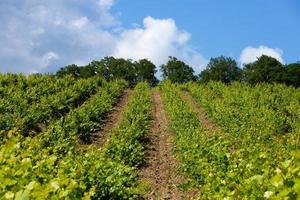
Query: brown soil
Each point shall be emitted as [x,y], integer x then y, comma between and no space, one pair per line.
[206,123]
[113,118]
[41,127]
[161,173]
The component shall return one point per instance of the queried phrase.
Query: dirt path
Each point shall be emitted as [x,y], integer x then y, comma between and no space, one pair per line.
[207,124]
[112,120]
[161,171]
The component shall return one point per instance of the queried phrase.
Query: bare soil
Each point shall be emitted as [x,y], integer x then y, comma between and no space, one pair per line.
[161,172]
[207,124]
[112,120]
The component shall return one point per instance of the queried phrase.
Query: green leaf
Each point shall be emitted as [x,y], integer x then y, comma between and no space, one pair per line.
[22,195]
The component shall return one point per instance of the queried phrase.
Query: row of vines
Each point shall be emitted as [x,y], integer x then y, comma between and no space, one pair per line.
[35,102]
[57,162]
[47,151]
[258,153]
[261,140]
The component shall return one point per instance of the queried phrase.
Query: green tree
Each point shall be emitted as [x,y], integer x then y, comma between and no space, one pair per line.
[73,70]
[222,69]
[292,74]
[101,69]
[87,71]
[177,71]
[111,68]
[265,69]
[76,71]
[145,71]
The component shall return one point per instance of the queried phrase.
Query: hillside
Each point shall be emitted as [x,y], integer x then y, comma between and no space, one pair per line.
[88,138]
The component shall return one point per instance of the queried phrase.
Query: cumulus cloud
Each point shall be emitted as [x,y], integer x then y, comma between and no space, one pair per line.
[251,54]
[156,40]
[80,23]
[106,4]
[48,57]
[42,36]
[106,18]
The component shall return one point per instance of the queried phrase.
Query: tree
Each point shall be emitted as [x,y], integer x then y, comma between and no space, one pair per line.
[222,69]
[73,70]
[76,71]
[265,69]
[145,71]
[177,71]
[292,74]
[101,69]
[111,68]
[87,71]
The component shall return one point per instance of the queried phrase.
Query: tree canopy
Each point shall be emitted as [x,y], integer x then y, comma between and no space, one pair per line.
[177,71]
[266,69]
[145,71]
[115,68]
[111,68]
[292,74]
[73,70]
[223,69]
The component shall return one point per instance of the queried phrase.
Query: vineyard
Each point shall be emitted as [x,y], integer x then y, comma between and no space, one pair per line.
[76,138]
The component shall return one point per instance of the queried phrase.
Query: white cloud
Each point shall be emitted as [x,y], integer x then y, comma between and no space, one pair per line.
[106,18]
[251,54]
[42,36]
[80,23]
[106,4]
[38,31]
[48,57]
[157,40]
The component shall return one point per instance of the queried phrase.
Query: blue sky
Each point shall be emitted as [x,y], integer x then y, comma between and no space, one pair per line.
[226,27]
[42,36]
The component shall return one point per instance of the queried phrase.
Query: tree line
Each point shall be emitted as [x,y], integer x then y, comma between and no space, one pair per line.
[111,68]
[265,69]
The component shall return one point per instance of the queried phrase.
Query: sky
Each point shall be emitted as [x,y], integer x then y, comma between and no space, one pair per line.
[39,36]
